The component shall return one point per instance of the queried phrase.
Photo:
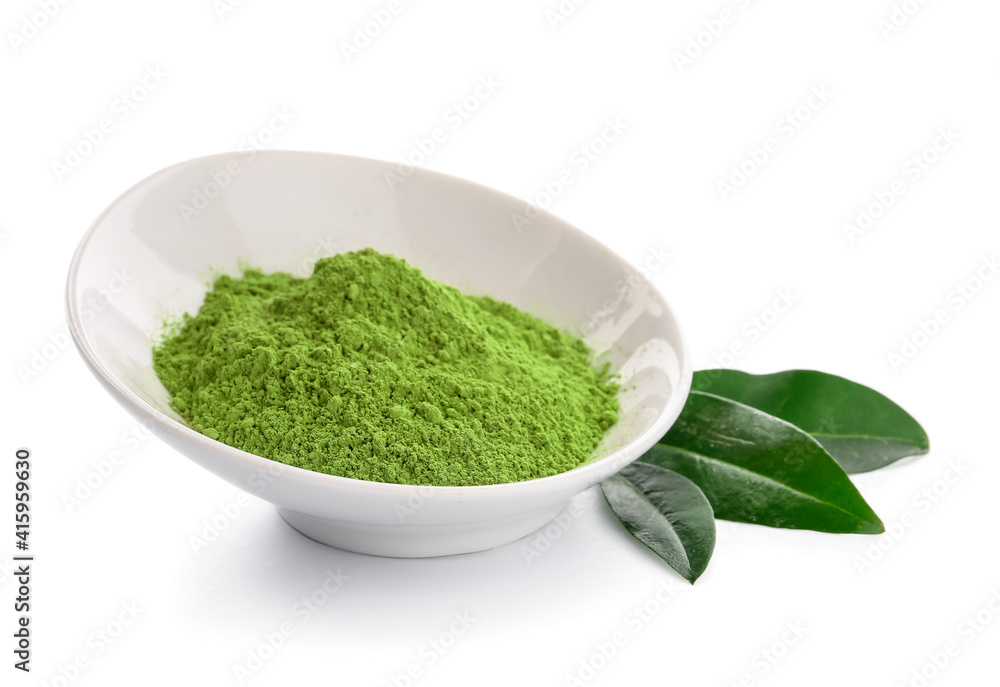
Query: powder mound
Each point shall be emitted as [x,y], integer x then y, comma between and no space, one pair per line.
[368,369]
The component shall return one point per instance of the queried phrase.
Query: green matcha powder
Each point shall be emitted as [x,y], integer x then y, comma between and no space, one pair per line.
[368,369]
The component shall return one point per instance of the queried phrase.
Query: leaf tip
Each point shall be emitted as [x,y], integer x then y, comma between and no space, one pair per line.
[873,526]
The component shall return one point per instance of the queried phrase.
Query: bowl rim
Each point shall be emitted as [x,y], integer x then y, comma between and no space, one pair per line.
[143,409]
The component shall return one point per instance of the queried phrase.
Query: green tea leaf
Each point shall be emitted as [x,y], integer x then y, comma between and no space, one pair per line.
[756,468]
[862,429]
[666,512]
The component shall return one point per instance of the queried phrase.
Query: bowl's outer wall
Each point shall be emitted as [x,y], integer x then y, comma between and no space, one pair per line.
[153,253]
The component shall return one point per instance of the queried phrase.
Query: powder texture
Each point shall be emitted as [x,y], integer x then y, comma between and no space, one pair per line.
[368,369]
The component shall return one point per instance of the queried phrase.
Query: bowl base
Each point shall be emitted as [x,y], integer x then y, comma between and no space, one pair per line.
[418,541]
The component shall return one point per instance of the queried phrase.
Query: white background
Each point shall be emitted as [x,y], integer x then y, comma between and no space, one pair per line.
[866,621]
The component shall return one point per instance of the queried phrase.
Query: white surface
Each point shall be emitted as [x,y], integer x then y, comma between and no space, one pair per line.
[273,214]
[653,189]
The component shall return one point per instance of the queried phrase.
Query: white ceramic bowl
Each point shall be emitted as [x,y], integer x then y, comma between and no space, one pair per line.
[152,254]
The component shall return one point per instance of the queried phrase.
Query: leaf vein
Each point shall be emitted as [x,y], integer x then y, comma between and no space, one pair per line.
[709,459]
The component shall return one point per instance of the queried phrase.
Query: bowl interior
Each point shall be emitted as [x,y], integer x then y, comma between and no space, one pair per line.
[153,254]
